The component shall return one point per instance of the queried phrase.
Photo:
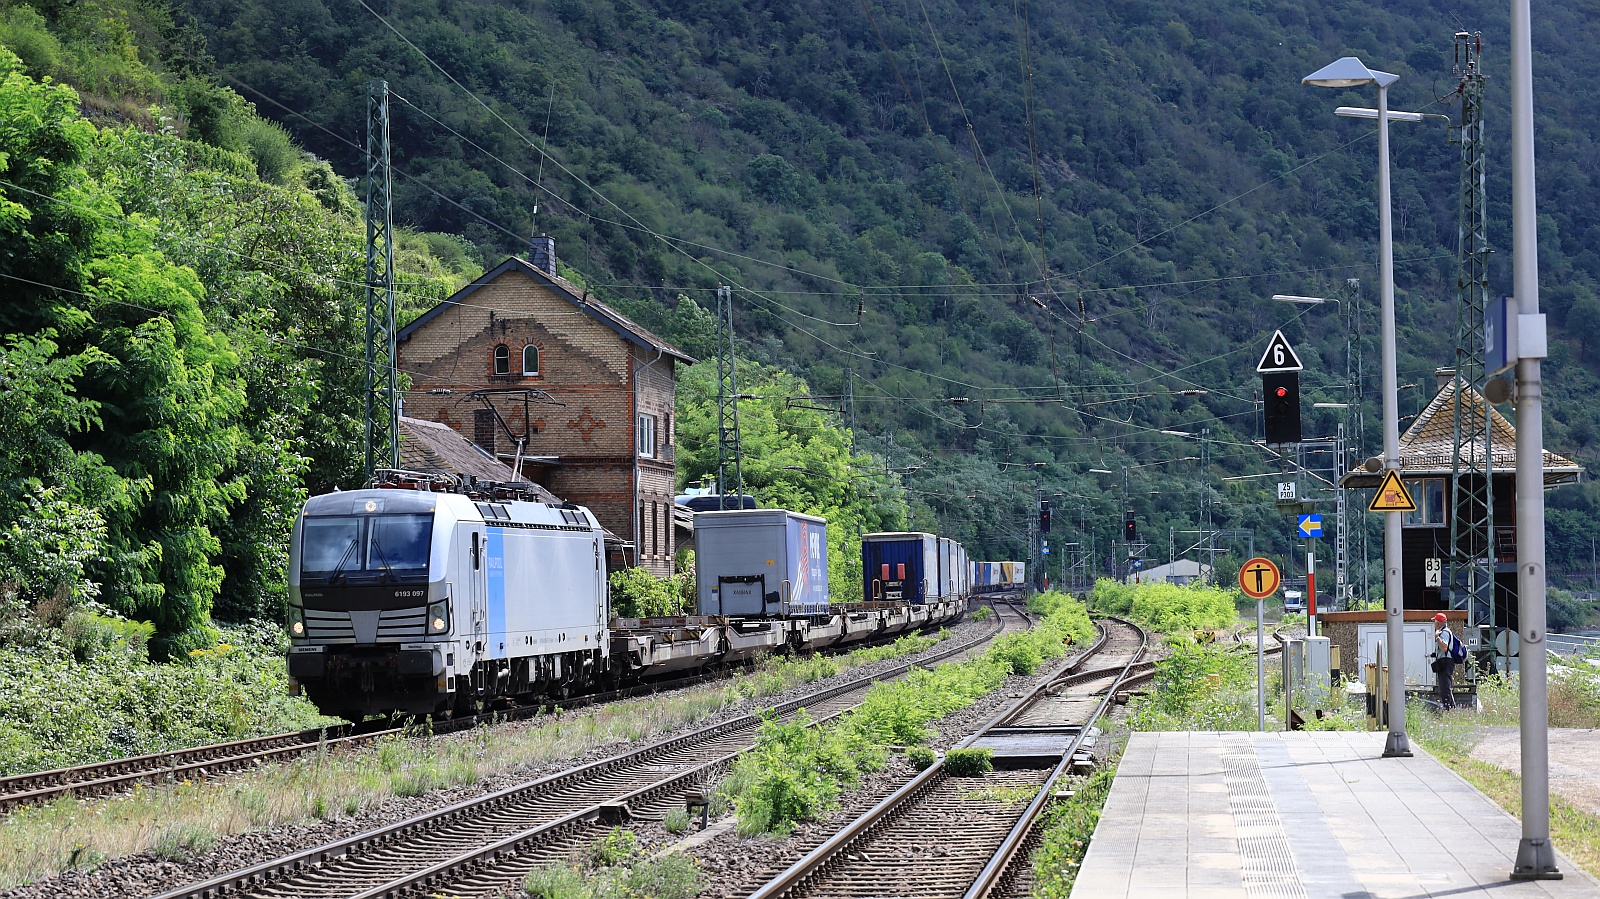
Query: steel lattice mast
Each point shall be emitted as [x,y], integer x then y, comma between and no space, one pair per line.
[383,394]
[730,473]
[1472,485]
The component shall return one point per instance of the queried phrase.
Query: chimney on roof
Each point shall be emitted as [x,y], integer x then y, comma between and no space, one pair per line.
[1441,377]
[542,254]
[483,430]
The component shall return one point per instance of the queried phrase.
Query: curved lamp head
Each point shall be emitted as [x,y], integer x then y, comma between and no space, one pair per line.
[1348,72]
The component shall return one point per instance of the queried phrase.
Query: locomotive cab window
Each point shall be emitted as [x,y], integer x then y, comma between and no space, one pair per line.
[502,359]
[530,360]
[365,549]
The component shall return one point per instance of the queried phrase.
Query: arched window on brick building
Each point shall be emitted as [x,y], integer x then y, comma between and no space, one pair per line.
[502,359]
[530,360]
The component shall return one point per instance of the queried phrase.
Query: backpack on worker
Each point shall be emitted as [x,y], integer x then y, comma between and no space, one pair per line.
[1458,650]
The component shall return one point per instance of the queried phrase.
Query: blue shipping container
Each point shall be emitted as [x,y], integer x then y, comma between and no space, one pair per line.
[899,567]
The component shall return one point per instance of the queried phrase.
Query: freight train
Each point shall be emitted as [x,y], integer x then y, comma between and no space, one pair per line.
[426,596]
[998,577]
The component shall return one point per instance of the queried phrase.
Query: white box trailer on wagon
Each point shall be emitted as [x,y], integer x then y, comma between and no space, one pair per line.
[760,563]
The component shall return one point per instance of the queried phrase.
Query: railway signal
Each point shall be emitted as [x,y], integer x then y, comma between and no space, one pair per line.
[1130,528]
[1280,369]
[1280,393]
[1044,516]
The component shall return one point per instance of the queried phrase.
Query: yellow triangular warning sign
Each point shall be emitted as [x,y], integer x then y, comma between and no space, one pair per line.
[1392,496]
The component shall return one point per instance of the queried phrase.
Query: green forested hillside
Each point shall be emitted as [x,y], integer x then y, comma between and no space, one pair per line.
[1016,233]
[890,190]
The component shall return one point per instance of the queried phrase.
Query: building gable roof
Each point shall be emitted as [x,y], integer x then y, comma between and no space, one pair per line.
[1427,447]
[626,328]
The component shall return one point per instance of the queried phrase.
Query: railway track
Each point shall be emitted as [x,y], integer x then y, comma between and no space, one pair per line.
[199,762]
[480,846]
[983,824]
[116,776]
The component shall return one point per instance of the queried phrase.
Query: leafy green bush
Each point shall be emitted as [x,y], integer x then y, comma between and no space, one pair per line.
[88,634]
[969,762]
[982,613]
[676,821]
[921,757]
[25,33]
[636,593]
[1199,687]
[794,773]
[616,846]
[1168,608]
[1021,654]
[233,689]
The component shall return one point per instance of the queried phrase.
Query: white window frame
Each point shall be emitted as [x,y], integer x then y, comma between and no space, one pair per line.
[646,433]
[497,359]
[527,372]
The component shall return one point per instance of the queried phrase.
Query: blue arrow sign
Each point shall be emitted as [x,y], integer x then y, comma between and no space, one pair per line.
[1310,525]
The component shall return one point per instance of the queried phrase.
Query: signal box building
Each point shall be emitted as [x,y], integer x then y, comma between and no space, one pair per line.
[1426,451]
[562,387]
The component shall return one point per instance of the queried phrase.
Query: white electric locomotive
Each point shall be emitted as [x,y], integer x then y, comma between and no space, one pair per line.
[406,600]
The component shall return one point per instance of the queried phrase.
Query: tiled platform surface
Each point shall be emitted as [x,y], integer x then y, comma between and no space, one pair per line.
[1301,815]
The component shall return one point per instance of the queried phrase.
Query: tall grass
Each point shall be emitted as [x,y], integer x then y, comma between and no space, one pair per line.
[182,818]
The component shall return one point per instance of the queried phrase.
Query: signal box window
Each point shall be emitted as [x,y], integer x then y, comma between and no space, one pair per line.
[502,359]
[1429,494]
[530,360]
[647,436]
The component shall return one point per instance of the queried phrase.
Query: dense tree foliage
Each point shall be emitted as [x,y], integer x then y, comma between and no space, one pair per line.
[177,363]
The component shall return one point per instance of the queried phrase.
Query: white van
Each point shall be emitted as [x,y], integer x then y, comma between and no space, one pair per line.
[1294,602]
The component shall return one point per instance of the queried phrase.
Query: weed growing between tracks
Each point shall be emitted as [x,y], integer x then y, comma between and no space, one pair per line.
[1067,826]
[617,870]
[796,772]
[1200,687]
[72,835]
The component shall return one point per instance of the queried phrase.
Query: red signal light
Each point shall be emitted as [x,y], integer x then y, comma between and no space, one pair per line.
[1283,392]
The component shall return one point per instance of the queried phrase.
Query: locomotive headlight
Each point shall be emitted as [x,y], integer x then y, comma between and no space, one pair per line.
[439,618]
[297,621]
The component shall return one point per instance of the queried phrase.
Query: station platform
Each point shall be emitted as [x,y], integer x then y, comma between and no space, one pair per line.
[1301,814]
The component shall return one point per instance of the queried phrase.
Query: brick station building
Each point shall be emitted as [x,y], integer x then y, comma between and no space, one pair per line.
[523,356]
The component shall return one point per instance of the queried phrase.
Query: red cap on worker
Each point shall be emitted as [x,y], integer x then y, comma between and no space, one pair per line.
[1440,617]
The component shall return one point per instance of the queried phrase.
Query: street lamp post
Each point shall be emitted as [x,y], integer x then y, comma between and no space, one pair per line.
[1536,857]
[1351,72]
